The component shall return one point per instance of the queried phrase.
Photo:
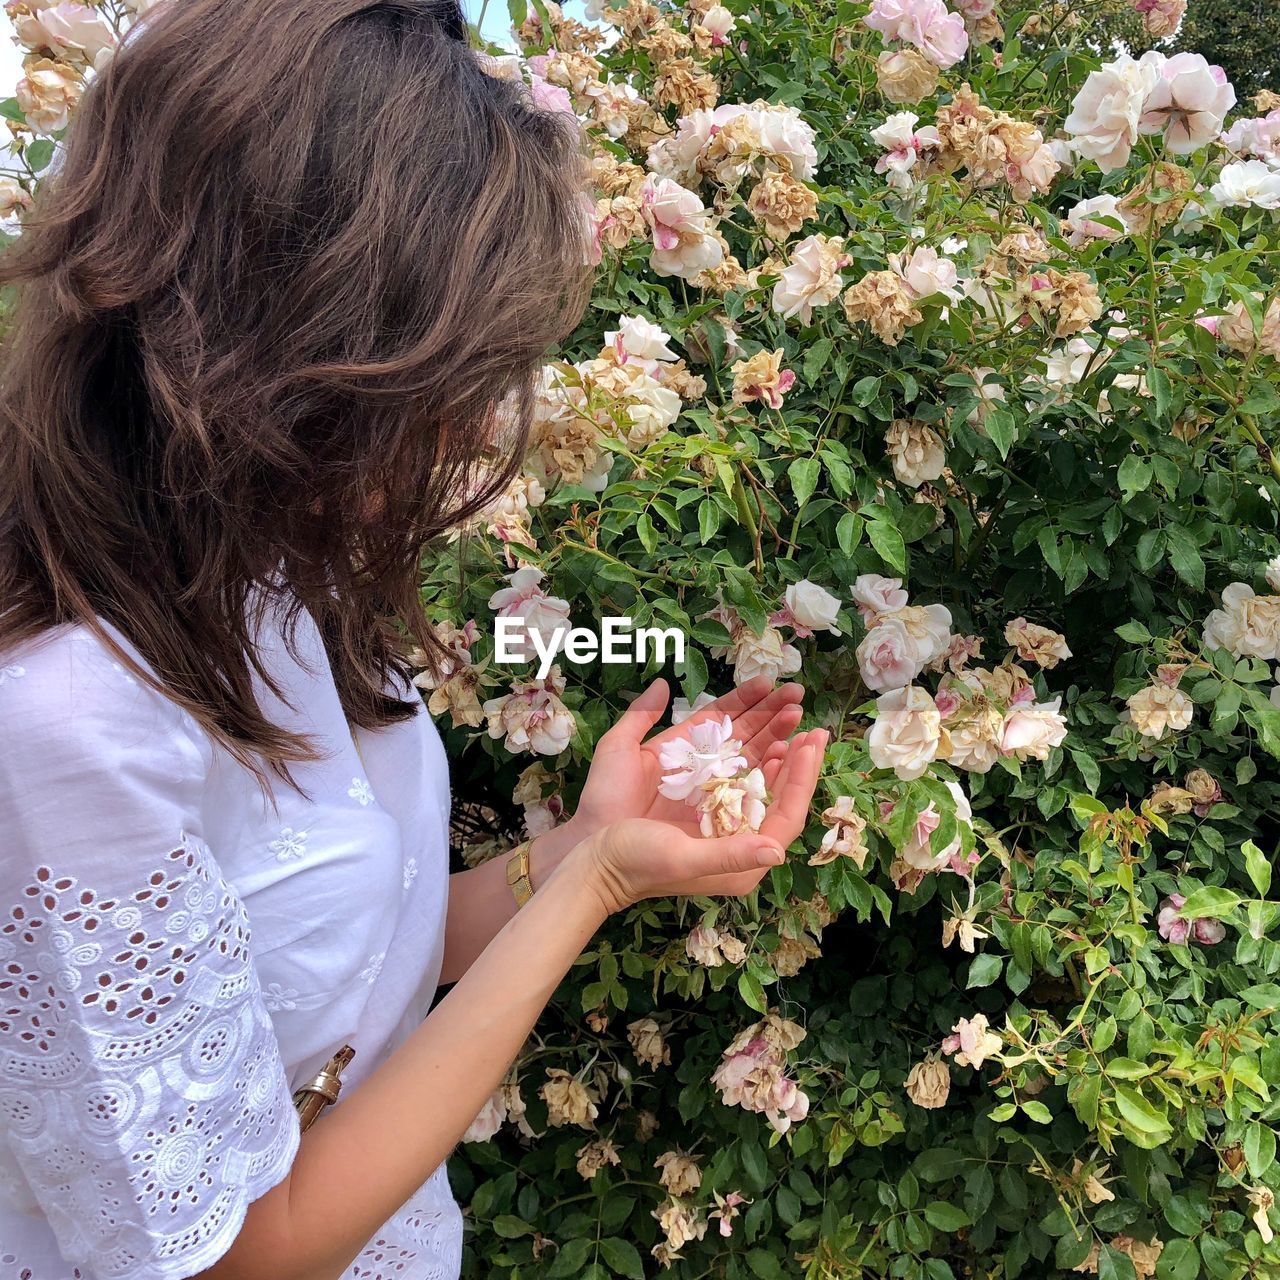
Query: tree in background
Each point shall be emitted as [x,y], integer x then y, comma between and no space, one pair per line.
[1241,36]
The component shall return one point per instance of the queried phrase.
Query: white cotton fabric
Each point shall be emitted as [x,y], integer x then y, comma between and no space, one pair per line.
[179,952]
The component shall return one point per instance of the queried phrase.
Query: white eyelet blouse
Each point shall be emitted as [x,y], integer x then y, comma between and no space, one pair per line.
[178,953]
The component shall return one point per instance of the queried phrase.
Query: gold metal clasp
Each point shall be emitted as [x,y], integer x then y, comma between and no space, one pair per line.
[323,1091]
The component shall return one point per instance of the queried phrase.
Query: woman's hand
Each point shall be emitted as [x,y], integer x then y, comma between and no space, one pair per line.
[625,769]
[640,858]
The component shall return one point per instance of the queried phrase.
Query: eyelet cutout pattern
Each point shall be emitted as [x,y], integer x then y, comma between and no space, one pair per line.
[422,1242]
[141,1086]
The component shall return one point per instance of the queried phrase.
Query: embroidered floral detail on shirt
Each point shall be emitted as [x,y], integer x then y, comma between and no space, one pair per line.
[371,971]
[12,673]
[290,845]
[361,792]
[410,872]
[277,997]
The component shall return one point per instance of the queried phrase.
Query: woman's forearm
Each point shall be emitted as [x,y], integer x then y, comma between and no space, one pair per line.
[481,901]
[368,1155]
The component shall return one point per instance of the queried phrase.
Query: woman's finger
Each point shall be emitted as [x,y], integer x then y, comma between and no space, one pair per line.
[643,713]
[794,793]
[755,718]
[731,886]
[702,859]
[780,727]
[741,706]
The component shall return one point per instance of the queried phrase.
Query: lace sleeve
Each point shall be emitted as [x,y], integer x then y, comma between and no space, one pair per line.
[141,1087]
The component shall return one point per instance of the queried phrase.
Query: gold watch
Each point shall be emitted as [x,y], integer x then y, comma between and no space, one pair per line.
[518,879]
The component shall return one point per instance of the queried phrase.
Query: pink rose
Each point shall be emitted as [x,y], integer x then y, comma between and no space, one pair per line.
[1205,930]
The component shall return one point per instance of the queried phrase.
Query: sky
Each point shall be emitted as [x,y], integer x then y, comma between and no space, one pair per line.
[497,21]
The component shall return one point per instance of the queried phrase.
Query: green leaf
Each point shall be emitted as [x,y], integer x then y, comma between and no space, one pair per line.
[751,991]
[1265,995]
[708,521]
[39,153]
[1038,1112]
[1209,902]
[511,1228]
[1178,1261]
[1148,1127]
[1185,556]
[1133,476]
[1114,1265]
[1258,865]
[803,474]
[889,544]
[1002,430]
[647,534]
[1259,1148]
[864,391]
[764,1266]
[815,359]
[11,111]
[984,970]
[755,1165]
[849,532]
[622,1258]
[1048,542]
[1262,398]
[946,1217]
[519,11]
[572,1258]
[1158,384]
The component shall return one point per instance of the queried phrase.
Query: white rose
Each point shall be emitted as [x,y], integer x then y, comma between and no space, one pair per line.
[763,655]
[525,600]
[1248,625]
[718,20]
[929,625]
[1248,182]
[812,279]
[877,596]
[1157,709]
[926,272]
[907,732]
[640,340]
[916,451]
[1273,573]
[1189,101]
[784,133]
[532,717]
[1105,115]
[490,1119]
[1032,730]
[1081,223]
[888,657]
[652,408]
[676,156]
[813,607]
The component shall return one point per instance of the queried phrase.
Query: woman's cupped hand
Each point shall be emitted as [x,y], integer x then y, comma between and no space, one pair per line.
[638,843]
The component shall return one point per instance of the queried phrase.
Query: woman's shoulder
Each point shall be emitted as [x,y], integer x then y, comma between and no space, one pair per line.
[68,691]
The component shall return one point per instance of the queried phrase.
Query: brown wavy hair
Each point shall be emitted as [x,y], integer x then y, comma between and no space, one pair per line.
[297,264]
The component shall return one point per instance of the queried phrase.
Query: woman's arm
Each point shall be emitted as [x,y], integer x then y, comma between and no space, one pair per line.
[622,784]
[481,901]
[370,1153]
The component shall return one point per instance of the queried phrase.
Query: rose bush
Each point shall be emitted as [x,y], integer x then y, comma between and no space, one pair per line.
[932,363]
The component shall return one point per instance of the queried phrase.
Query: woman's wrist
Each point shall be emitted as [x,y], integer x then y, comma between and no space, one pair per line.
[581,864]
[549,849]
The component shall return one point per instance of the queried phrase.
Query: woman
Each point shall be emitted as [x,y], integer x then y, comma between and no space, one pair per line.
[296,257]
